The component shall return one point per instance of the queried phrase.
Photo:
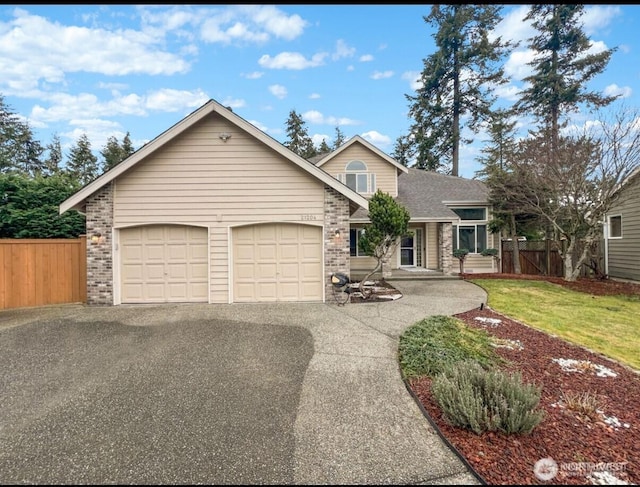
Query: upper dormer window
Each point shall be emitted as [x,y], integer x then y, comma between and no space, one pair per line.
[357,177]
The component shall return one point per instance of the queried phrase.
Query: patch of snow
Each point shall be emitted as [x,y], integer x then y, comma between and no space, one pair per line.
[605,478]
[571,365]
[507,343]
[488,321]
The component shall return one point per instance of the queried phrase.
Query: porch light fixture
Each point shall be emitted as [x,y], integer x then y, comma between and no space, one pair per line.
[337,234]
[224,136]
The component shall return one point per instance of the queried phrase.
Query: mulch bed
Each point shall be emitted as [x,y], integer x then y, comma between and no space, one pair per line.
[603,442]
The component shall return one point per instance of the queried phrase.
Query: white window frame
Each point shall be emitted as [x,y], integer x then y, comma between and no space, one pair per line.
[610,236]
[473,223]
[361,174]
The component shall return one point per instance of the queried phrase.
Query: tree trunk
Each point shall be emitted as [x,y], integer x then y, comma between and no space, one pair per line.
[516,249]
[366,295]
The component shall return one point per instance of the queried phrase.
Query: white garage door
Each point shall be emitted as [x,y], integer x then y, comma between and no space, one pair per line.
[277,262]
[164,264]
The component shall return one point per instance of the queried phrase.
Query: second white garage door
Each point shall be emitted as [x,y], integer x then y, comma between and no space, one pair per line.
[164,264]
[277,262]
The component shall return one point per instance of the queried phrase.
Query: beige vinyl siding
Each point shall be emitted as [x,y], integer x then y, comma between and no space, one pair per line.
[199,179]
[624,253]
[386,174]
[431,240]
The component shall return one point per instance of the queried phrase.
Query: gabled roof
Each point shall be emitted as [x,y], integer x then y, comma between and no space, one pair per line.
[77,200]
[429,195]
[359,140]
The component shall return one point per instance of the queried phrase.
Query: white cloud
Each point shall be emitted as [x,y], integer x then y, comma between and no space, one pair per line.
[414,79]
[261,126]
[318,138]
[365,58]
[250,24]
[232,102]
[314,116]
[64,107]
[350,68]
[33,50]
[517,66]
[278,91]
[512,27]
[508,92]
[291,60]
[381,74]
[254,75]
[597,17]
[342,50]
[376,138]
[615,90]
[314,96]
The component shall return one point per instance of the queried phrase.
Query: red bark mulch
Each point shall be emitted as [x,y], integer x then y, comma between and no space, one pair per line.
[604,439]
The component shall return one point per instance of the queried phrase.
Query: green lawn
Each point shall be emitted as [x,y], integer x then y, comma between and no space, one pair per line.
[609,325]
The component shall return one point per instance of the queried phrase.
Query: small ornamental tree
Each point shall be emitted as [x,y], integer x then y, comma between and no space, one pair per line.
[493,253]
[389,223]
[461,254]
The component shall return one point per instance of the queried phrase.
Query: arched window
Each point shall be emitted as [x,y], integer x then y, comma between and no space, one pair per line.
[357,177]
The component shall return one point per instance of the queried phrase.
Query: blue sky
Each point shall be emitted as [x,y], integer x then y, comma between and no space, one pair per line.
[110,69]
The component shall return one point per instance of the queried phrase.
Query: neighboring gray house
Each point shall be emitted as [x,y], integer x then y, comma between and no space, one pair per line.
[622,232]
[214,210]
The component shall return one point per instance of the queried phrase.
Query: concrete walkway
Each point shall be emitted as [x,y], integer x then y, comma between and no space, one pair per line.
[355,421]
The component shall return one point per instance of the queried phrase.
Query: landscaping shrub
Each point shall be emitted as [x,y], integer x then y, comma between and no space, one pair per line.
[430,344]
[486,400]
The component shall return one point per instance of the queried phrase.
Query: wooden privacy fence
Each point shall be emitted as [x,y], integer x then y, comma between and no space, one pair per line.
[541,257]
[38,272]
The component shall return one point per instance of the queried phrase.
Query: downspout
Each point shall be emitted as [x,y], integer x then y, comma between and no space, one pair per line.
[605,233]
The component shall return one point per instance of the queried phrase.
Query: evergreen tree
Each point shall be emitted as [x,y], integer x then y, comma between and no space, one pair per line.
[53,162]
[30,205]
[82,164]
[18,149]
[127,146]
[338,139]
[403,150]
[501,145]
[298,137]
[324,147]
[112,153]
[562,66]
[456,80]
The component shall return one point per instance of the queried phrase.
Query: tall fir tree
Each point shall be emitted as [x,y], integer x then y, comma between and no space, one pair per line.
[498,150]
[403,150]
[562,66]
[82,164]
[298,138]
[457,80]
[19,151]
[53,161]
[339,138]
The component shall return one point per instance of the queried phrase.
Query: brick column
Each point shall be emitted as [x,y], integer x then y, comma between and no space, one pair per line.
[99,212]
[336,237]
[445,238]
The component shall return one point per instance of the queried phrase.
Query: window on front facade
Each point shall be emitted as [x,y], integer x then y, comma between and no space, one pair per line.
[615,226]
[471,234]
[358,178]
[354,235]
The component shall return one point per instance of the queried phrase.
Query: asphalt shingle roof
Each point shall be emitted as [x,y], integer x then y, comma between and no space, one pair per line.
[423,194]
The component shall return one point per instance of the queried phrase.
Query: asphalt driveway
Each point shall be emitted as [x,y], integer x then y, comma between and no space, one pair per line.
[219,394]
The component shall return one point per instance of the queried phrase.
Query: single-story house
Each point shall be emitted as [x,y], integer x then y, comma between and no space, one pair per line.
[214,210]
[622,232]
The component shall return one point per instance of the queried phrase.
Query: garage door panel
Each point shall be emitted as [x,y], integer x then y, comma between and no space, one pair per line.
[289,270]
[266,272]
[164,263]
[284,257]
